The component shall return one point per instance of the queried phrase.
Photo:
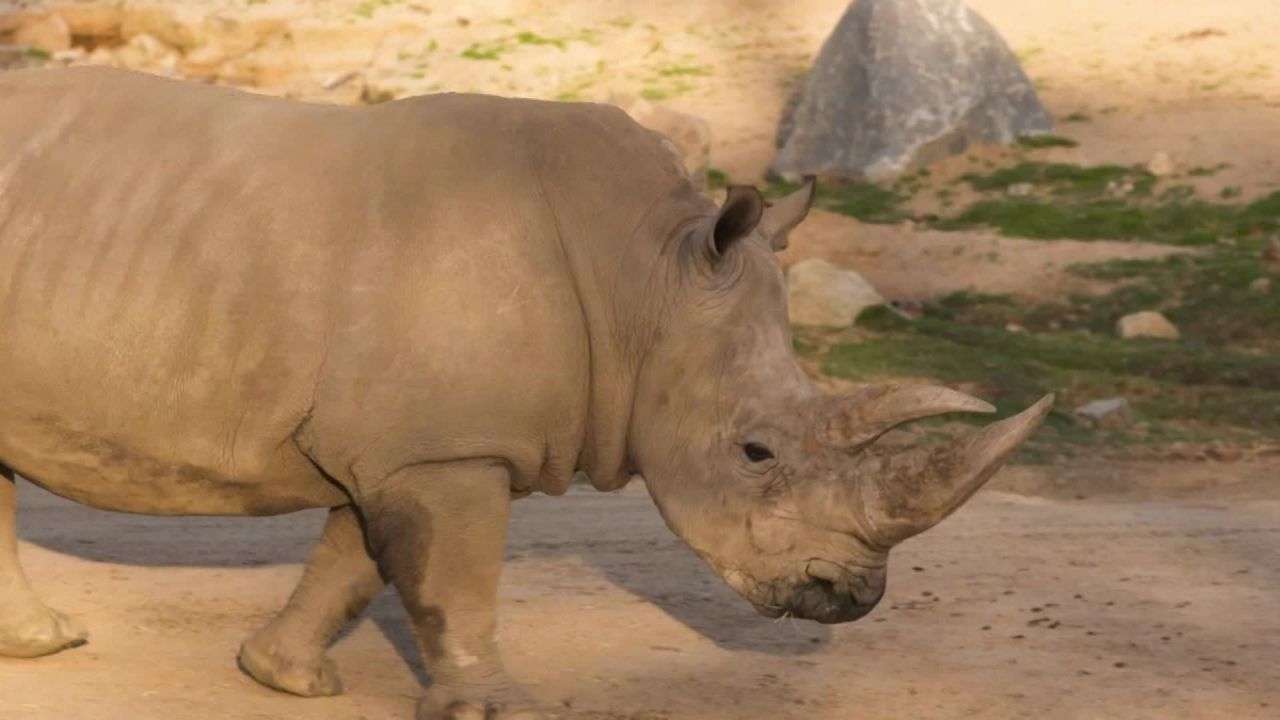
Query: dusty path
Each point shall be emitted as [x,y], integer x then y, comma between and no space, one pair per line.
[1016,608]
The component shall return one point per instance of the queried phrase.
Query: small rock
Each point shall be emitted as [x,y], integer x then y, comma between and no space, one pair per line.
[1021,189]
[1115,188]
[1260,287]
[70,55]
[144,51]
[101,56]
[1112,413]
[48,33]
[1161,165]
[1224,452]
[203,63]
[1271,254]
[1014,328]
[690,134]
[96,20]
[821,294]
[1147,324]
[906,309]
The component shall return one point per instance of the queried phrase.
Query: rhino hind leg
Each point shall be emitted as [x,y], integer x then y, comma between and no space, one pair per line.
[438,531]
[338,583]
[28,628]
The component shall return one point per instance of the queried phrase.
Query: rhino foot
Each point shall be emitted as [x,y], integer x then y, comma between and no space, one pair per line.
[37,633]
[272,665]
[441,703]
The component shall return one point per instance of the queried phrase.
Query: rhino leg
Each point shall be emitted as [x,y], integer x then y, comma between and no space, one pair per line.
[338,583]
[438,533]
[27,627]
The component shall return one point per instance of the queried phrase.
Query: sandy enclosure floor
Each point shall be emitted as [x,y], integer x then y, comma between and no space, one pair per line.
[1015,608]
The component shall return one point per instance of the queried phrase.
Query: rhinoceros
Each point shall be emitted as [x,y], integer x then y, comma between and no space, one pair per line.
[214,302]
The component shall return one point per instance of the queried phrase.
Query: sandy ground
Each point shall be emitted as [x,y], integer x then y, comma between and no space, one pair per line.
[1017,607]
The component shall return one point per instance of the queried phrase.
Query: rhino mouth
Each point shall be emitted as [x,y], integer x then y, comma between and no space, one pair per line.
[826,597]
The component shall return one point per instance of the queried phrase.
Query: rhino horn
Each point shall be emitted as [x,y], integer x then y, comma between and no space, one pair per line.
[912,491]
[854,421]
[782,216]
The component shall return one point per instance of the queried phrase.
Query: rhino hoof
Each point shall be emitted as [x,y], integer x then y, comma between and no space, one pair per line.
[313,677]
[45,632]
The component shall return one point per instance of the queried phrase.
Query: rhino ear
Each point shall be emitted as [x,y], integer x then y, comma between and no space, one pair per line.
[738,218]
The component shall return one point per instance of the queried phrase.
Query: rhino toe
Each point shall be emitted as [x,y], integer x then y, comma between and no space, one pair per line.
[308,677]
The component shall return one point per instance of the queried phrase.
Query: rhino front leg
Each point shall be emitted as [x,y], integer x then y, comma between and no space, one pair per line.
[338,583]
[27,627]
[438,532]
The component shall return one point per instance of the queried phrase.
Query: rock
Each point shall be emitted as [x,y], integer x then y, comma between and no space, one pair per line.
[1161,165]
[690,134]
[906,309]
[181,28]
[145,51]
[820,294]
[1271,253]
[48,33]
[1260,287]
[1015,328]
[101,56]
[1022,189]
[1111,414]
[1147,324]
[92,20]
[1116,188]
[901,82]
[203,63]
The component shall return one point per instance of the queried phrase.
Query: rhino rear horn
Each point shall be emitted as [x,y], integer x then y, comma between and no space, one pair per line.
[915,490]
[853,421]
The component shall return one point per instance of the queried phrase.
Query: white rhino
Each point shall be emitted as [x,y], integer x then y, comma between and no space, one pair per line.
[213,302]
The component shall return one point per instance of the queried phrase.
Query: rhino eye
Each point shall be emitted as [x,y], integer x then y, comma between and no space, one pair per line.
[756,452]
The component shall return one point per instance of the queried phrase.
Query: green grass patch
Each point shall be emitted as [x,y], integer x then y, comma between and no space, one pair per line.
[1059,178]
[486,51]
[532,38]
[1080,202]
[1202,171]
[1037,142]
[684,70]
[1077,117]
[1177,393]
[865,201]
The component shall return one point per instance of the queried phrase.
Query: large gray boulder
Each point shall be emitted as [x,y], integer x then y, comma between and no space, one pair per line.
[901,82]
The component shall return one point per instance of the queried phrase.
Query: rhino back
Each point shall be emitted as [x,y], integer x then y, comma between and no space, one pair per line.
[188,274]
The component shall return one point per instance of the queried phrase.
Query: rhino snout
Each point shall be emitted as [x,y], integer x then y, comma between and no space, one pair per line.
[826,598]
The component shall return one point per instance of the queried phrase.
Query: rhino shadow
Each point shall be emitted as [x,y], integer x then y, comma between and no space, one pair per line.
[711,609]
[627,544]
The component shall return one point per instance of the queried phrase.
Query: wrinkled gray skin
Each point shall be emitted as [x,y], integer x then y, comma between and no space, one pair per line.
[218,303]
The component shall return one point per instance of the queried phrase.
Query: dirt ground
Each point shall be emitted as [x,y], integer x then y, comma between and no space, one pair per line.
[1017,607]
[1098,592]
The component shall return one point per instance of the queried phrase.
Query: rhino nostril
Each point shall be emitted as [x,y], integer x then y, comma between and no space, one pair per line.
[823,585]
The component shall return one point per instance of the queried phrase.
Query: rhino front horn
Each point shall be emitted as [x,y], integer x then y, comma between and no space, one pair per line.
[916,490]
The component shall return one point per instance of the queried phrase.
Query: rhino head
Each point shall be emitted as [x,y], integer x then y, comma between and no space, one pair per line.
[785,491]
